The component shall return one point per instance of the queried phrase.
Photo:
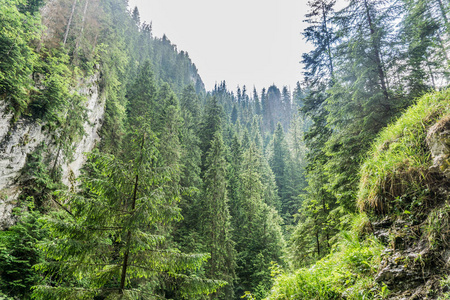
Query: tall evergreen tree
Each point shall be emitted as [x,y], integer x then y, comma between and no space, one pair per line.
[18,57]
[319,63]
[187,231]
[215,219]
[425,49]
[259,240]
[143,96]
[258,109]
[360,102]
[319,73]
[211,123]
[278,163]
[113,233]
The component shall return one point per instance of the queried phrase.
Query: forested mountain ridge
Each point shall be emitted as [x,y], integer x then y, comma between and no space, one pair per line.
[193,194]
[62,91]
[177,198]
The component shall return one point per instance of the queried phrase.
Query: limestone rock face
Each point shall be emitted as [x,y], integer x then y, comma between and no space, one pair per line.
[438,140]
[16,142]
[20,139]
[96,110]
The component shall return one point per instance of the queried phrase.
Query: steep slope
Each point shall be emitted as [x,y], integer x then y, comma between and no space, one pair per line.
[64,73]
[397,248]
[20,139]
[405,187]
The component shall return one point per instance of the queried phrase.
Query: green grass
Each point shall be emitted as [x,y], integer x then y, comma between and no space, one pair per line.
[396,169]
[394,178]
[346,273]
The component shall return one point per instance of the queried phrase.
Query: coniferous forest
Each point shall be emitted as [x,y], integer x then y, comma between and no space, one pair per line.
[122,177]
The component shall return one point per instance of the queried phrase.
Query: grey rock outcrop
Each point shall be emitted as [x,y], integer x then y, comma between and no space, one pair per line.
[438,140]
[417,254]
[20,139]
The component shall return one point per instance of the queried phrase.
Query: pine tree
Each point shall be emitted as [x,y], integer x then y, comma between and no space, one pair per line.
[258,109]
[295,180]
[319,63]
[278,163]
[306,242]
[360,103]
[18,57]
[169,125]
[110,242]
[298,96]
[271,197]
[143,96]
[235,156]
[211,123]
[425,50]
[215,219]
[259,239]
[187,232]
[287,108]
[234,115]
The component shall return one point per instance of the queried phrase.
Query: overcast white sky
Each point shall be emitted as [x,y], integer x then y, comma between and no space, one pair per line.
[251,42]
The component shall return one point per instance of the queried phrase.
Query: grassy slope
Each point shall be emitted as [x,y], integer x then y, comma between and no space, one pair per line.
[395,178]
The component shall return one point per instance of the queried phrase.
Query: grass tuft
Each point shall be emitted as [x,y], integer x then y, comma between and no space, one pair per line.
[397,171]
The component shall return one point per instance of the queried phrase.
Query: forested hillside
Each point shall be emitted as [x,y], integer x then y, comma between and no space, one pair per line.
[122,177]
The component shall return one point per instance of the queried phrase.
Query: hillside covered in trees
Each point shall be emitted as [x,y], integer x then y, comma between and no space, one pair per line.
[122,177]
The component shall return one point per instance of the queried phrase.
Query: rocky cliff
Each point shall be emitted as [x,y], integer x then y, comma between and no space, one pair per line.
[406,187]
[19,140]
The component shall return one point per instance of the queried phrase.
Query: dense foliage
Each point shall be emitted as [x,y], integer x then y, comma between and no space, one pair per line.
[221,194]
[360,76]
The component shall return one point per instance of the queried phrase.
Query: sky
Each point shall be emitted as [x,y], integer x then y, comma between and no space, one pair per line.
[244,42]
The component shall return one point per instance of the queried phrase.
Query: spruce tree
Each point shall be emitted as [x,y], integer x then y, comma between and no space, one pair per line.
[259,239]
[279,163]
[214,217]
[186,233]
[211,123]
[258,109]
[306,242]
[360,103]
[109,240]
[425,50]
[143,96]
[18,57]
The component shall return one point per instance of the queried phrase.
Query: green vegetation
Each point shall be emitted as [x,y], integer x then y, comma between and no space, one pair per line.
[18,55]
[112,236]
[226,195]
[397,173]
[396,181]
[347,272]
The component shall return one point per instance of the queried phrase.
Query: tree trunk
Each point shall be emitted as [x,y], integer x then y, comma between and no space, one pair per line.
[70,21]
[327,41]
[444,15]
[127,252]
[82,28]
[376,50]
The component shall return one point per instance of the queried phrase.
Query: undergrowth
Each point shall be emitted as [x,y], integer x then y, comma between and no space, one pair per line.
[396,174]
[346,273]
